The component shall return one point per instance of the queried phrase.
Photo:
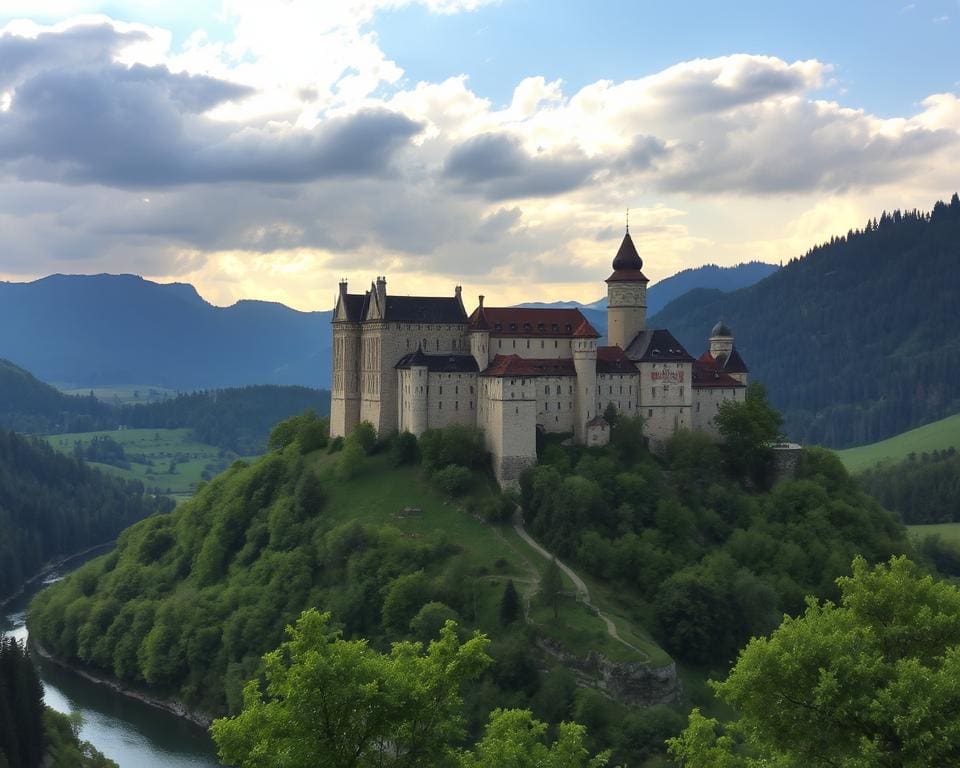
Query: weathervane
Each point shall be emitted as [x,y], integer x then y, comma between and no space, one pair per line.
[628,221]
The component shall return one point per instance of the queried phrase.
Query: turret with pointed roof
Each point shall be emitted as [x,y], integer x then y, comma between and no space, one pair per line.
[626,295]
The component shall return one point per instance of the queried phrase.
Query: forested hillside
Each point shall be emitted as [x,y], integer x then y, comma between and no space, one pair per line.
[52,505]
[238,419]
[189,601]
[856,341]
[29,405]
[87,330]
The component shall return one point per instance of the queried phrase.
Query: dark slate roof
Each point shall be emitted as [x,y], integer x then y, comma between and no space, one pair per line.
[424,309]
[532,321]
[439,363]
[354,304]
[614,360]
[707,376]
[657,346]
[513,365]
[721,329]
[732,364]
[627,264]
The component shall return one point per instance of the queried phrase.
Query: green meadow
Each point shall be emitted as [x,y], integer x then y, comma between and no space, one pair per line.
[168,460]
[935,436]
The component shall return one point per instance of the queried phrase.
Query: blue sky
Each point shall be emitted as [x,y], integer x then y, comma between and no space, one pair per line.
[887,55]
[266,149]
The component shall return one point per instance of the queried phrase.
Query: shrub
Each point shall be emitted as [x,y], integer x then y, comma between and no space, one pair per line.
[453,480]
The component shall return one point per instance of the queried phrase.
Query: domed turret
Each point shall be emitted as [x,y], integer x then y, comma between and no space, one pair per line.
[627,257]
[626,295]
[721,330]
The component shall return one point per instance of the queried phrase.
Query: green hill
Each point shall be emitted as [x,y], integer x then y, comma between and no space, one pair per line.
[937,436]
[858,340]
[52,506]
[29,405]
[676,560]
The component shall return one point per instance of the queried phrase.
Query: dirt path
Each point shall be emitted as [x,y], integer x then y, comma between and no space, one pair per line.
[583,592]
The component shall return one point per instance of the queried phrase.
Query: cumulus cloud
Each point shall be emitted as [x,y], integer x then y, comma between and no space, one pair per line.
[299,140]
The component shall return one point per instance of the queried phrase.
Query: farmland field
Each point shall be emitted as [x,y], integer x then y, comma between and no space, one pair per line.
[935,436]
[166,460]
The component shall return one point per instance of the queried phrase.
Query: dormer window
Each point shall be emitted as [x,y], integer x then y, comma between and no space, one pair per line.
[527,326]
[540,326]
[568,327]
[513,326]
[555,327]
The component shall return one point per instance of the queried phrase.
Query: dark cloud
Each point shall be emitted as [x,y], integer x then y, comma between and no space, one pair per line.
[497,166]
[84,119]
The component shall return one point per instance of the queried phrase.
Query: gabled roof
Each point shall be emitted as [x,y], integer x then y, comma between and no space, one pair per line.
[705,376]
[614,360]
[733,363]
[657,346]
[353,306]
[515,366]
[439,363]
[627,264]
[424,309]
[532,321]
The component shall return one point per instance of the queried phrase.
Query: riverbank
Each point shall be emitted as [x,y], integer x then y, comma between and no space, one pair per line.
[170,706]
[47,569]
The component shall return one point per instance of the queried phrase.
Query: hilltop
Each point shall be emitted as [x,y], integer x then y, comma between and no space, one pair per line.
[681,561]
[856,341]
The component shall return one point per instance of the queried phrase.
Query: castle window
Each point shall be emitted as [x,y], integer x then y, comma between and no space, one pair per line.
[542,342]
[438,344]
[499,343]
[653,391]
[471,405]
[456,405]
[513,326]
[408,343]
[546,406]
[650,413]
[555,327]
[556,343]
[698,406]
[441,390]
[681,390]
[516,410]
[558,406]
[546,390]
[514,343]
[440,405]
[571,405]
[471,390]
[571,390]
[611,391]
[621,389]
[528,343]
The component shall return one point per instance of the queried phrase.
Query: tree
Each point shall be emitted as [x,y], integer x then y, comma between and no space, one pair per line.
[747,429]
[509,605]
[514,738]
[871,681]
[365,436]
[345,704]
[404,449]
[453,480]
[551,585]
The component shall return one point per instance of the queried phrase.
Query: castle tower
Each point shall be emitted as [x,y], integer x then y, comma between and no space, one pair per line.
[721,341]
[626,295]
[480,338]
[345,389]
[585,362]
[413,385]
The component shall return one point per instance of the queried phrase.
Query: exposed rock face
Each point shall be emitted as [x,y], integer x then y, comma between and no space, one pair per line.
[631,683]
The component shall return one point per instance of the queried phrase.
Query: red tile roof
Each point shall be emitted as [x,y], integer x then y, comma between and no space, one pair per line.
[515,366]
[732,364]
[530,321]
[707,376]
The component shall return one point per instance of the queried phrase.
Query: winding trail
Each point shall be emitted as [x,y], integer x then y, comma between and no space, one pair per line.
[583,591]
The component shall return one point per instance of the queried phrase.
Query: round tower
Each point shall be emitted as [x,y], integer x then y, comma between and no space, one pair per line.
[585,363]
[626,295]
[721,341]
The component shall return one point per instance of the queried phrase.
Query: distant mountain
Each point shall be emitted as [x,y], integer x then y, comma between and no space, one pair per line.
[662,293]
[85,330]
[857,341]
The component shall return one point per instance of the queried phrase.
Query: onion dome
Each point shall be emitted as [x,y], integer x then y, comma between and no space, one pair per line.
[627,257]
[721,330]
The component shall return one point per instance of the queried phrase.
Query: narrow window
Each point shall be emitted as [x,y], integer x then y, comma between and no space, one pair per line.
[440,405]
[650,413]
[546,390]
[456,405]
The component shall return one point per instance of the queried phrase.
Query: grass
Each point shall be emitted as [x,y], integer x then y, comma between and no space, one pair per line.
[949,532]
[935,436]
[151,452]
[380,494]
[124,394]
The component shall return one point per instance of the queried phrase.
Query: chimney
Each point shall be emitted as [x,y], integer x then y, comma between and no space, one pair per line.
[382,290]
[481,301]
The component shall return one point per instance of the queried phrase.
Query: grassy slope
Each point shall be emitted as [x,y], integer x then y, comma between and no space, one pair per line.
[947,531]
[160,446]
[935,436]
[380,494]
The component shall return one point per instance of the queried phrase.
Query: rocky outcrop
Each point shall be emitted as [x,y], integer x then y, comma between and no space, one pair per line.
[632,683]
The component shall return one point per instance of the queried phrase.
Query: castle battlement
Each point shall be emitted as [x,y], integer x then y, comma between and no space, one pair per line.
[413,363]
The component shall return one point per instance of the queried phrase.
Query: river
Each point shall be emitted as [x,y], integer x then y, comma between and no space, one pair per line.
[133,734]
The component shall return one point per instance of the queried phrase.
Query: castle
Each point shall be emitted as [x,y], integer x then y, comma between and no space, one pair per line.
[417,363]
